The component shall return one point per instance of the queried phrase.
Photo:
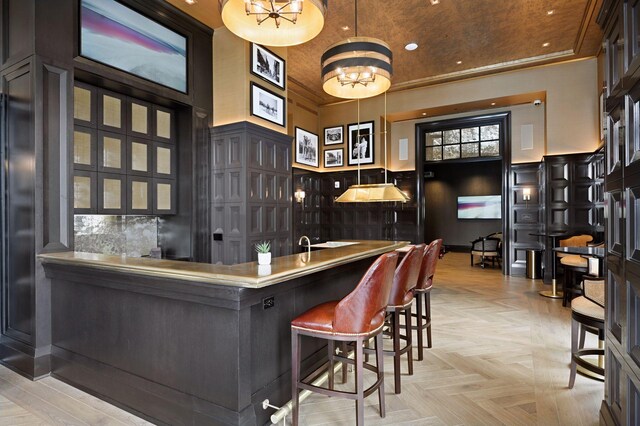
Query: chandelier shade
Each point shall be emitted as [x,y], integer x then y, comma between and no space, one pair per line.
[357,68]
[274,22]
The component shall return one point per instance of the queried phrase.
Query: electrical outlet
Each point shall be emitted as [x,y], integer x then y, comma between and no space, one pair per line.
[268,302]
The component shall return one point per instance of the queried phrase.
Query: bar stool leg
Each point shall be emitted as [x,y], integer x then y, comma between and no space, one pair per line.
[407,318]
[575,326]
[395,319]
[380,365]
[419,327]
[331,354]
[345,354]
[427,311]
[295,375]
[359,359]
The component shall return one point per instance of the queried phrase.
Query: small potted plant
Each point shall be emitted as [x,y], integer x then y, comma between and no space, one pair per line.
[264,252]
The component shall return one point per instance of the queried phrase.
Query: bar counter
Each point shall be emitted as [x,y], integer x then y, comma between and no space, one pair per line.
[191,343]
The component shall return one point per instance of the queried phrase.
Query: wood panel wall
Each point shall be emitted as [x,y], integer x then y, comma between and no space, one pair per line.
[322,219]
[251,192]
[619,21]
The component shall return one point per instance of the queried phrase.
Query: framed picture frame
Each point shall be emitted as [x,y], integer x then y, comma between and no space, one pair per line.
[307,152]
[360,148]
[334,135]
[334,157]
[267,105]
[268,66]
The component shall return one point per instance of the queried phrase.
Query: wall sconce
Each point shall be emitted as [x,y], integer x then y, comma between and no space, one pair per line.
[526,196]
[299,194]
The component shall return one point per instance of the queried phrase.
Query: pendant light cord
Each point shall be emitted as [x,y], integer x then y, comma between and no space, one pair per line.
[356,18]
[385,137]
[358,140]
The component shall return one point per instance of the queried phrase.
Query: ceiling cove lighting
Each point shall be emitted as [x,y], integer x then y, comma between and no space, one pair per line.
[377,192]
[274,22]
[358,67]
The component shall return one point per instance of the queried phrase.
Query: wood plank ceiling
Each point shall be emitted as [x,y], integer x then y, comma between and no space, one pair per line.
[456,38]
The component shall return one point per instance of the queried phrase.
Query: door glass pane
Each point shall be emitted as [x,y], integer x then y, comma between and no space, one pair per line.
[111,111]
[139,195]
[470,150]
[111,152]
[434,138]
[451,136]
[139,118]
[471,134]
[163,160]
[139,157]
[490,132]
[163,124]
[82,148]
[489,149]
[433,154]
[112,193]
[164,196]
[451,152]
[81,104]
[81,192]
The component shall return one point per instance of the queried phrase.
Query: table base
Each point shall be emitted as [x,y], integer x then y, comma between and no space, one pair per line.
[553,293]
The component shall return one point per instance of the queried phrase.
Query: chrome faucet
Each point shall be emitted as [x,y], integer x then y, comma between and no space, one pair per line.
[308,241]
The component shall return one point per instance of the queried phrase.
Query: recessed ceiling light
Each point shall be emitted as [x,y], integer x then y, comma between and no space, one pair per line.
[424,114]
[458,62]
[547,44]
[550,12]
[411,46]
[434,2]
[191,2]
[345,28]
[493,103]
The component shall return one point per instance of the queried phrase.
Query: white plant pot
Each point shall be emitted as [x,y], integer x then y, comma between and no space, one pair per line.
[264,258]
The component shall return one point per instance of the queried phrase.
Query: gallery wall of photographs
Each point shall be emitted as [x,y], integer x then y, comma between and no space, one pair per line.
[349,145]
[270,69]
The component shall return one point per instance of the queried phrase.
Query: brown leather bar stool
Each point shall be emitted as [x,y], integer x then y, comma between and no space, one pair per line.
[356,318]
[400,301]
[422,294]
[587,314]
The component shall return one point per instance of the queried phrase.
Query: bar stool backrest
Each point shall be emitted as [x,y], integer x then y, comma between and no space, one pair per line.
[363,310]
[406,276]
[428,267]
[594,290]
[576,241]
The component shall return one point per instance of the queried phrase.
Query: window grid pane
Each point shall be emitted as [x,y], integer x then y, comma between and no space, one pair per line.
[468,142]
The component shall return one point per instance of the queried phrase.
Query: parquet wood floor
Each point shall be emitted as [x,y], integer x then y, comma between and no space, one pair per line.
[501,356]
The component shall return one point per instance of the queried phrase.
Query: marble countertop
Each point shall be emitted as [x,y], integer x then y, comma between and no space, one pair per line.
[249,275]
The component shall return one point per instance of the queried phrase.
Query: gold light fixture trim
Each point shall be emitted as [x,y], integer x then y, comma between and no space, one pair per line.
[272,22]
[379,192]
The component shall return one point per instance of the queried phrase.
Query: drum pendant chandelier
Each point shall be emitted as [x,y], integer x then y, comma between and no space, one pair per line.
[274,22]
[357,68]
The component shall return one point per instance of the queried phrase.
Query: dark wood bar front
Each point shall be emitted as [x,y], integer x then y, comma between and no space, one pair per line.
[190,343]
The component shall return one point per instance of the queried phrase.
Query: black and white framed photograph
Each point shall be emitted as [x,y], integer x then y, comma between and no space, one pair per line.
[334,157]
[267,105]
[267,65]
[333,135]
[306,147]
[360,148]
